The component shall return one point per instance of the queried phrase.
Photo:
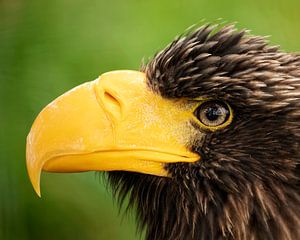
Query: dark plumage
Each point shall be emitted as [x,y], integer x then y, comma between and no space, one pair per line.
[247,185]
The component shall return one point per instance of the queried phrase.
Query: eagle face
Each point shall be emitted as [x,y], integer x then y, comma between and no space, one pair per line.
[223,161]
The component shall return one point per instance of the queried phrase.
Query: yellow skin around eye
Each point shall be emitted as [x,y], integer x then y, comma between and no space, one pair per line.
[212,128]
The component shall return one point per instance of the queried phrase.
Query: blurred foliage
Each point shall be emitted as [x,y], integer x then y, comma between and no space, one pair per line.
[48,47]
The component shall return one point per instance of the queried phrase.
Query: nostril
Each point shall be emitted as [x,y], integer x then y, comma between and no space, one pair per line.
[112,104]
[110,98]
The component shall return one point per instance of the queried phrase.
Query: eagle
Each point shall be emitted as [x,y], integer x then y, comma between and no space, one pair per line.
[203,140]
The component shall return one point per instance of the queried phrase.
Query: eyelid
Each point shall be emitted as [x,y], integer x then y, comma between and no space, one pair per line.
[211,128]
[198,102]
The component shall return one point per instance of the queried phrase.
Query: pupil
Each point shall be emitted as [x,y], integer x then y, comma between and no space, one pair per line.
[212,113]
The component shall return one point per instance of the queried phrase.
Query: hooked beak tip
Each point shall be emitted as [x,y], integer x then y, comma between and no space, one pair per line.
[33,169]
[35,181]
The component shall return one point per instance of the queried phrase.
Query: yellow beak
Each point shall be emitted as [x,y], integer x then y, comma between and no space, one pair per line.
[113,123]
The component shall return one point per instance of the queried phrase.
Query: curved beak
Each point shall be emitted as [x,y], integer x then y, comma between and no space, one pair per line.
[112,123]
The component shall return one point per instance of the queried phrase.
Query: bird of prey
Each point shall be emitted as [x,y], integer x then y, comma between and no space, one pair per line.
[204,139]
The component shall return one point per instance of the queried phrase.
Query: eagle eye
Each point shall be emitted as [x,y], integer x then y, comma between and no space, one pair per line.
[213,114]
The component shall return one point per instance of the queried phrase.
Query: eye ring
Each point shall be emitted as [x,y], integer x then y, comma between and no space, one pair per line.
[213,114]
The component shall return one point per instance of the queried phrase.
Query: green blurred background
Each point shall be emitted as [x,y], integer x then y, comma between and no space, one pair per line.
[48,47]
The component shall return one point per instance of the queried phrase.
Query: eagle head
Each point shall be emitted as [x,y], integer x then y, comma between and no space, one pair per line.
[204,140]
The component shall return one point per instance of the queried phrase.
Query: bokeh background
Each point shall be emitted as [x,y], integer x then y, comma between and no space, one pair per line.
[48,47]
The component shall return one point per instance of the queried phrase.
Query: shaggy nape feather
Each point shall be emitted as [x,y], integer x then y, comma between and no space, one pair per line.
[247,183]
